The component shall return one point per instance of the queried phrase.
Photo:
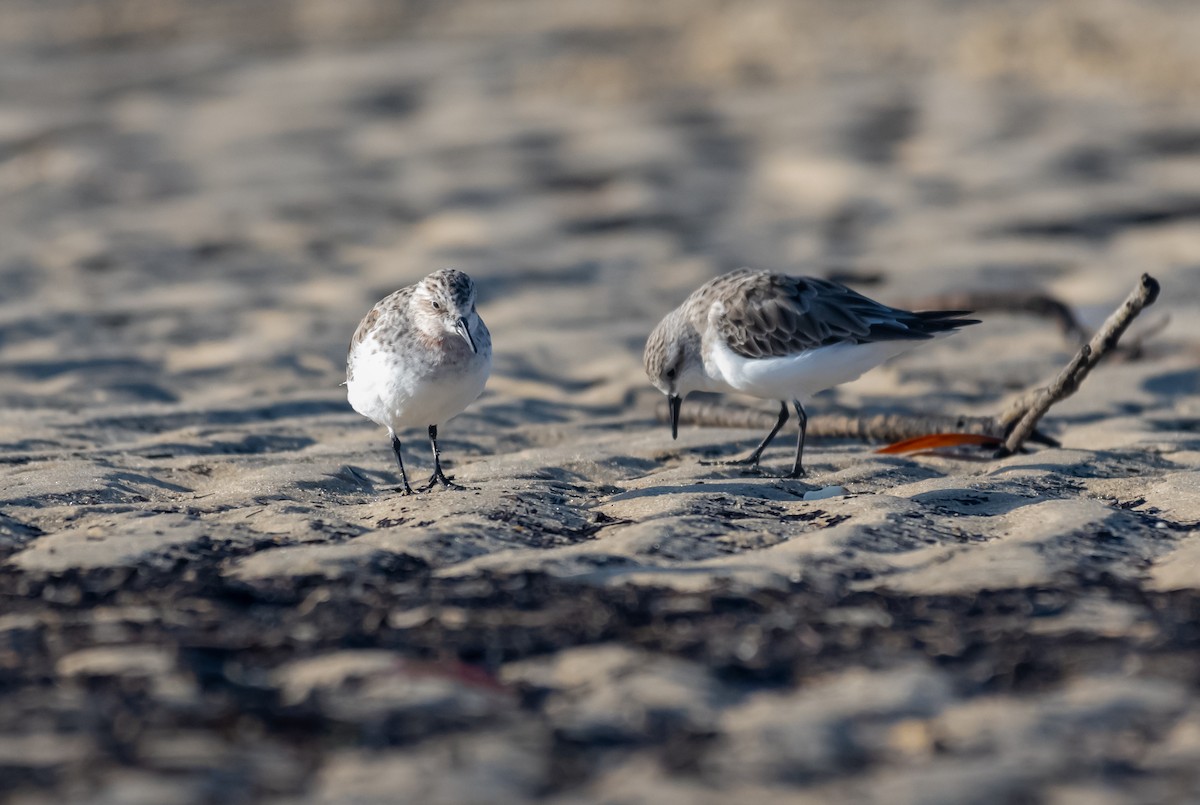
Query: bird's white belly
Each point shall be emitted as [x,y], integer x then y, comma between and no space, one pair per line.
[799,376]
[397,395]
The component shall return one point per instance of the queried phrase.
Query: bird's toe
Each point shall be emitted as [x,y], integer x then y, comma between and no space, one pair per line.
[748,461]
[442,480]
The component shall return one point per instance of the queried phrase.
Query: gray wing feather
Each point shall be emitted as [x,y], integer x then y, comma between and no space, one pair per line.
[773,315]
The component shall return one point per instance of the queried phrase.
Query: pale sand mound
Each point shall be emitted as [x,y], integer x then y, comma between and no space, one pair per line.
[212,592]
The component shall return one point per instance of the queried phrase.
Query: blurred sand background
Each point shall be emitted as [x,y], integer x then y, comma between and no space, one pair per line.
[210,592]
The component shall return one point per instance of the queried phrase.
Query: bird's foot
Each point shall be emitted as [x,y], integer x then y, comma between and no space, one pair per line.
[447,482]
[747,465]
[799,472]
[749,462]
[405,490]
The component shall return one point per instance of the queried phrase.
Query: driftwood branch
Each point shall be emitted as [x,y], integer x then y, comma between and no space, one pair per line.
[1016,425]
[877,428]
[1027,411]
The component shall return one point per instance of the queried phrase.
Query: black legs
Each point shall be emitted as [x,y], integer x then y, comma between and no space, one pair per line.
[405,489]
[752,459]
[797,469]
[779,423]
[438,476]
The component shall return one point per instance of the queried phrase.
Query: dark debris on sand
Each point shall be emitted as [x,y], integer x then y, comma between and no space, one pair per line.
[222,643]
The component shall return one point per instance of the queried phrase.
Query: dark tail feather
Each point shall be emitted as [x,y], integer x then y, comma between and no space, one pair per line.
[906,326]
[941,314]
[931,322]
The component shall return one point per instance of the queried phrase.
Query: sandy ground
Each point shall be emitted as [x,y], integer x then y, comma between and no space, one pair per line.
[211,592]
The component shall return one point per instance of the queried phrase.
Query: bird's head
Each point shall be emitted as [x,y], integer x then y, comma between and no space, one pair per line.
[446,300]
[673,362]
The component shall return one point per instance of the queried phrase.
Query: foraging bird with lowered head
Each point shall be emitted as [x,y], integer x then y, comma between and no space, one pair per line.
[779,337]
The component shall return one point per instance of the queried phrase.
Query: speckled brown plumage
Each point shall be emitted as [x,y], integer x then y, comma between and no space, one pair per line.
[389,325]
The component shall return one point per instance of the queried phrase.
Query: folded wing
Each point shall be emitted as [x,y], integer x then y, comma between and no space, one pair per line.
[772,315]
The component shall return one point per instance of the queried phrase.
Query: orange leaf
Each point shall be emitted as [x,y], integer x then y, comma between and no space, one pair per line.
[935,441]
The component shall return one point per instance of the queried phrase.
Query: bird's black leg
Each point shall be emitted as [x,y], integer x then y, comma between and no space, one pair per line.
[405,489]
[797,469]
[438,476]
[752,459]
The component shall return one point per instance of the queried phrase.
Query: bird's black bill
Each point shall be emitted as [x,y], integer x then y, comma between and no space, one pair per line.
[462,329]
[674,402]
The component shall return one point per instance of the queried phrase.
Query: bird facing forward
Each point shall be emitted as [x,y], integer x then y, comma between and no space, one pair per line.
[779,337]
[418,358]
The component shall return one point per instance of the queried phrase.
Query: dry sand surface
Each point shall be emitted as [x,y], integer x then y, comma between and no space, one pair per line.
[211,592]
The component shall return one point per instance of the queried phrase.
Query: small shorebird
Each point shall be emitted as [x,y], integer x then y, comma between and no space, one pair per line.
[778,337]
[418,358]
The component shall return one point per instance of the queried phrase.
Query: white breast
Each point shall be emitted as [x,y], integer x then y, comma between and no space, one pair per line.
[399,392]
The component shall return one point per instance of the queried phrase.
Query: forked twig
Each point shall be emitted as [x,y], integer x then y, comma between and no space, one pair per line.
[1023,415]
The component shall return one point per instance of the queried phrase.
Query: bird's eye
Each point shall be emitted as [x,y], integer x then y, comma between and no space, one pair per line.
[670,374]
[437,305]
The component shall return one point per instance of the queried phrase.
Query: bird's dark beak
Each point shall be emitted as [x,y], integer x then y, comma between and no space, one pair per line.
[674,401]
[462,329]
